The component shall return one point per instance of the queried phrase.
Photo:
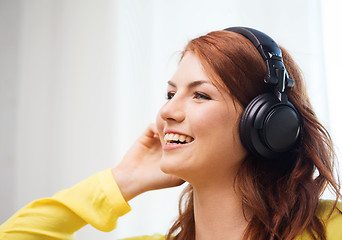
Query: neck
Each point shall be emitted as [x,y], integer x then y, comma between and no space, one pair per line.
[218,213]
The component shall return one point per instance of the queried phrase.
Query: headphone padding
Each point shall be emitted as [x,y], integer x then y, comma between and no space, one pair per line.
[268,127]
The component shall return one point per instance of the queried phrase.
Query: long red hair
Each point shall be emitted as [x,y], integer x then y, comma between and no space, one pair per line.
[282,197]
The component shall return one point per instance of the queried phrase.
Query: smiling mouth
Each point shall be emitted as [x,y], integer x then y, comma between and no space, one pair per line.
[175,138]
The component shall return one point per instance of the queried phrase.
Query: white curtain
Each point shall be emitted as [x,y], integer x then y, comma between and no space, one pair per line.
[81,79]
[332,35]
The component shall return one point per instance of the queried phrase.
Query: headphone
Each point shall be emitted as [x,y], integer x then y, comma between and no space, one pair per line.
[270,125]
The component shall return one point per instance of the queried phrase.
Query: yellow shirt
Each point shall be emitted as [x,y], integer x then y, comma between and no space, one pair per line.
[98,201]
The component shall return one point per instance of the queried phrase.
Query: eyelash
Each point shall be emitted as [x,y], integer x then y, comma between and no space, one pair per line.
[169,95]
[197,95]
[200,95]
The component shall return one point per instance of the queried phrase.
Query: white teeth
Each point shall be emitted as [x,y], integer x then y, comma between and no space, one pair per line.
[171,136]
[177,137]
[182,138]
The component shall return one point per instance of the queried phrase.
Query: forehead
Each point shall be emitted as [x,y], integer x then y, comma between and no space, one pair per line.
[190,69]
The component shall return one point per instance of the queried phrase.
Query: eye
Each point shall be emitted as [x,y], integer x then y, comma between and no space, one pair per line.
[170,95]
[199,95]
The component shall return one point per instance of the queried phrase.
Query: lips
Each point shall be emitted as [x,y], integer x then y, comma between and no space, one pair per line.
[176,138]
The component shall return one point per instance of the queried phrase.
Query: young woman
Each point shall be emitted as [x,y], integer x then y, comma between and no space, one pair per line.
[237,189]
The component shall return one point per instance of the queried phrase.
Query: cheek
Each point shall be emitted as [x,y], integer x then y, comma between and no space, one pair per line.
[214,122]
[218,132]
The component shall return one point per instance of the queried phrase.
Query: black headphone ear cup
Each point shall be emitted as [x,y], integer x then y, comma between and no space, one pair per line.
[268,127]
[246,122]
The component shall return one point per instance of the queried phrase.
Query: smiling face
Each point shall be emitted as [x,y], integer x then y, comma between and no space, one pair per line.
[198,126]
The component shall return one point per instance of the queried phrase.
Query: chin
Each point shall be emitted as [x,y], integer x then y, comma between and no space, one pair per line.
[172,166]
[177,167]
[168,166]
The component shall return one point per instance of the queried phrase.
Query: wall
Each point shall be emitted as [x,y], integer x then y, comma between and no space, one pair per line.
[80,80]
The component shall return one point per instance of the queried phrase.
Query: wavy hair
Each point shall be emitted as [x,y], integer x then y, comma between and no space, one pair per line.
[282,196]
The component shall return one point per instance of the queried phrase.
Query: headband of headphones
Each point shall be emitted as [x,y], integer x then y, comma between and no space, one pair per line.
[270,125]
[269,50]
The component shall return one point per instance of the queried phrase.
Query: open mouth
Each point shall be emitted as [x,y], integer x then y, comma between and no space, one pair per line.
[175,138]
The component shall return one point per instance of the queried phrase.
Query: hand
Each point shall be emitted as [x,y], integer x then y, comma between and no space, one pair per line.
[139,170]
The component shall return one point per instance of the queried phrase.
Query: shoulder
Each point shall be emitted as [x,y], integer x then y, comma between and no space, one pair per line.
[152,237]
[332,222]
[325,207]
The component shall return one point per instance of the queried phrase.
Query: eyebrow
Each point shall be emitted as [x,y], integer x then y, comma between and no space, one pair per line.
[192,84]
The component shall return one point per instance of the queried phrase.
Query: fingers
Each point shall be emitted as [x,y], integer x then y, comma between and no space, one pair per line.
[151,131]
[150,137]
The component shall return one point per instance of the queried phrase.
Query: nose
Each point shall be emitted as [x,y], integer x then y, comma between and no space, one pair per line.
[173,110]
